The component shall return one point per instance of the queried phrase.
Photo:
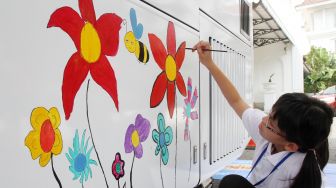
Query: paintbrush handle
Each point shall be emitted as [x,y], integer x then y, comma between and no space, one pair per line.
[208,50]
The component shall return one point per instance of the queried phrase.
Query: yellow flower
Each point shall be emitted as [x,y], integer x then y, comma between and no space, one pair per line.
[45,139]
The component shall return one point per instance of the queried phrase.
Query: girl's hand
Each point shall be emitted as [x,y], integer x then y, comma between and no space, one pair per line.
[204,56]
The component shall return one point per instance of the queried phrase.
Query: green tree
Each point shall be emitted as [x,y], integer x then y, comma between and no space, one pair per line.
[322,65]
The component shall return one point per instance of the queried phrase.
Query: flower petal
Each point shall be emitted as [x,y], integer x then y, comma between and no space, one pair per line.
[44,159]
[155,136]
[69,21]
[189,90]
[58,143]
[165,155]
[158,50]
[168,135]
[86,174]
[180,84]
[194,98]
[157,149]
[159,89]
[179,57]
[108,27]
[171,98]
[82,141]
[87,10]
[75,143]
[114,170]
[171,40]
[32,141]
[138,151]
[37,117]
[86,145]
[54,117]
[68,157]
[128,139]
[93,162]
[194,115]
[103,74]
[161,123]
[74,74]
[142,125]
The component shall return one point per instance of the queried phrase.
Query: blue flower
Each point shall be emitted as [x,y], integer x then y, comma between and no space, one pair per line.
[79,158]
[163,138]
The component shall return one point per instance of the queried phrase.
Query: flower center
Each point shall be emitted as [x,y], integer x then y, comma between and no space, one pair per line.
[162,140]
[80,162]
[135,138]
[118,168]
[47,136]
[90,43]
[188,110]
[170,68]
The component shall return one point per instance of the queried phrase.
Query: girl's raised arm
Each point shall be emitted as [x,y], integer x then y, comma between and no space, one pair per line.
[228,90]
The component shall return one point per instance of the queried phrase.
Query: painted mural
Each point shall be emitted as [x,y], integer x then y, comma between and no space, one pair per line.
[97,44]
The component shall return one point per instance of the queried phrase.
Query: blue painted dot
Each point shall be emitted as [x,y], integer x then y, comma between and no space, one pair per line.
[80,162]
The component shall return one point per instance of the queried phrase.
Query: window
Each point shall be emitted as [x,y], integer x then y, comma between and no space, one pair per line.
[318,20]
[331,18]
[245,19]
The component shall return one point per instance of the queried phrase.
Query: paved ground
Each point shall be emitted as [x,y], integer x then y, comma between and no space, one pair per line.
[248,154]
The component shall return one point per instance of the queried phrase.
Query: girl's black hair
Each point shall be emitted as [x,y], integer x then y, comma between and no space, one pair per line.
[306,121]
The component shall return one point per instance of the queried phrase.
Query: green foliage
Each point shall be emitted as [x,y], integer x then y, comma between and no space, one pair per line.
[322,65]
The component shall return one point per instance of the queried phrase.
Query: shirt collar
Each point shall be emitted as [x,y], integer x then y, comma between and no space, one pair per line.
[275,158]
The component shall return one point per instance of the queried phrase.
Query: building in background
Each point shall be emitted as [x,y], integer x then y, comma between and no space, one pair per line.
[279,46]
[319,22]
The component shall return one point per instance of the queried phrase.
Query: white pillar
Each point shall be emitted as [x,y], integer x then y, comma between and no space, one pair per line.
[269,96]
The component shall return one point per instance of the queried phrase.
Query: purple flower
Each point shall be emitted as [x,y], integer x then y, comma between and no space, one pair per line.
[136,134]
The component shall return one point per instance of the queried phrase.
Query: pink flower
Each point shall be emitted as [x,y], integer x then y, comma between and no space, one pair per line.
[118,167]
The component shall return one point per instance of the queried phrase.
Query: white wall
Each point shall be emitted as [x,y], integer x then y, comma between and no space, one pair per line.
[283,60]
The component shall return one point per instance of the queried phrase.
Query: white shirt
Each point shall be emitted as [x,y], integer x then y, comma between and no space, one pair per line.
[284,176]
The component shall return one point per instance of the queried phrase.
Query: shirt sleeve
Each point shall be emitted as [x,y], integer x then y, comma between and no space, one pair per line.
[251,119]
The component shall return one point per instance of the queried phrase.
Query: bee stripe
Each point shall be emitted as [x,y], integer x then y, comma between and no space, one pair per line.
[141,49]
[146,55]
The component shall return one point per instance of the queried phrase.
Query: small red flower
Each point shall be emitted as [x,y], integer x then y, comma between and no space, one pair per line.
[118,167]
[170,63]
[94,40]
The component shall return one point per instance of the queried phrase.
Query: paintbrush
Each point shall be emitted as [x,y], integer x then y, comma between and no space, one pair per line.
[208,50]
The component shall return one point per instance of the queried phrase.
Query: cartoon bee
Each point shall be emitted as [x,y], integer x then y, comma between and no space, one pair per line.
[132,42]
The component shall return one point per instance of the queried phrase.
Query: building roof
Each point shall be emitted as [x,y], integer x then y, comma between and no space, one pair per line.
[309,2]
[265,29]
[274,21]
[314,3]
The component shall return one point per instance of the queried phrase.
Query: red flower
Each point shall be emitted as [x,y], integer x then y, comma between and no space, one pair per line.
[170,63]
[118,167]
[94,40]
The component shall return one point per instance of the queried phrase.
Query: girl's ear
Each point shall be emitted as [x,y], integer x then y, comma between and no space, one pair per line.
[291,147]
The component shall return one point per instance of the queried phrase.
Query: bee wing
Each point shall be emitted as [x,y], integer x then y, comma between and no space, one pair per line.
[137,28]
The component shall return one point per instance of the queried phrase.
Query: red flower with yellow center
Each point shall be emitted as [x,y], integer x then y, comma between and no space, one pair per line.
[170,63]
[94,40]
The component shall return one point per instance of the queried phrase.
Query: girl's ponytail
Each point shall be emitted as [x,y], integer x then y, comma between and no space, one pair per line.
[310,168]
[322,152]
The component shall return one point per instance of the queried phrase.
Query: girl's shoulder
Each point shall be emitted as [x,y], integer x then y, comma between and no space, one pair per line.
[293,165]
